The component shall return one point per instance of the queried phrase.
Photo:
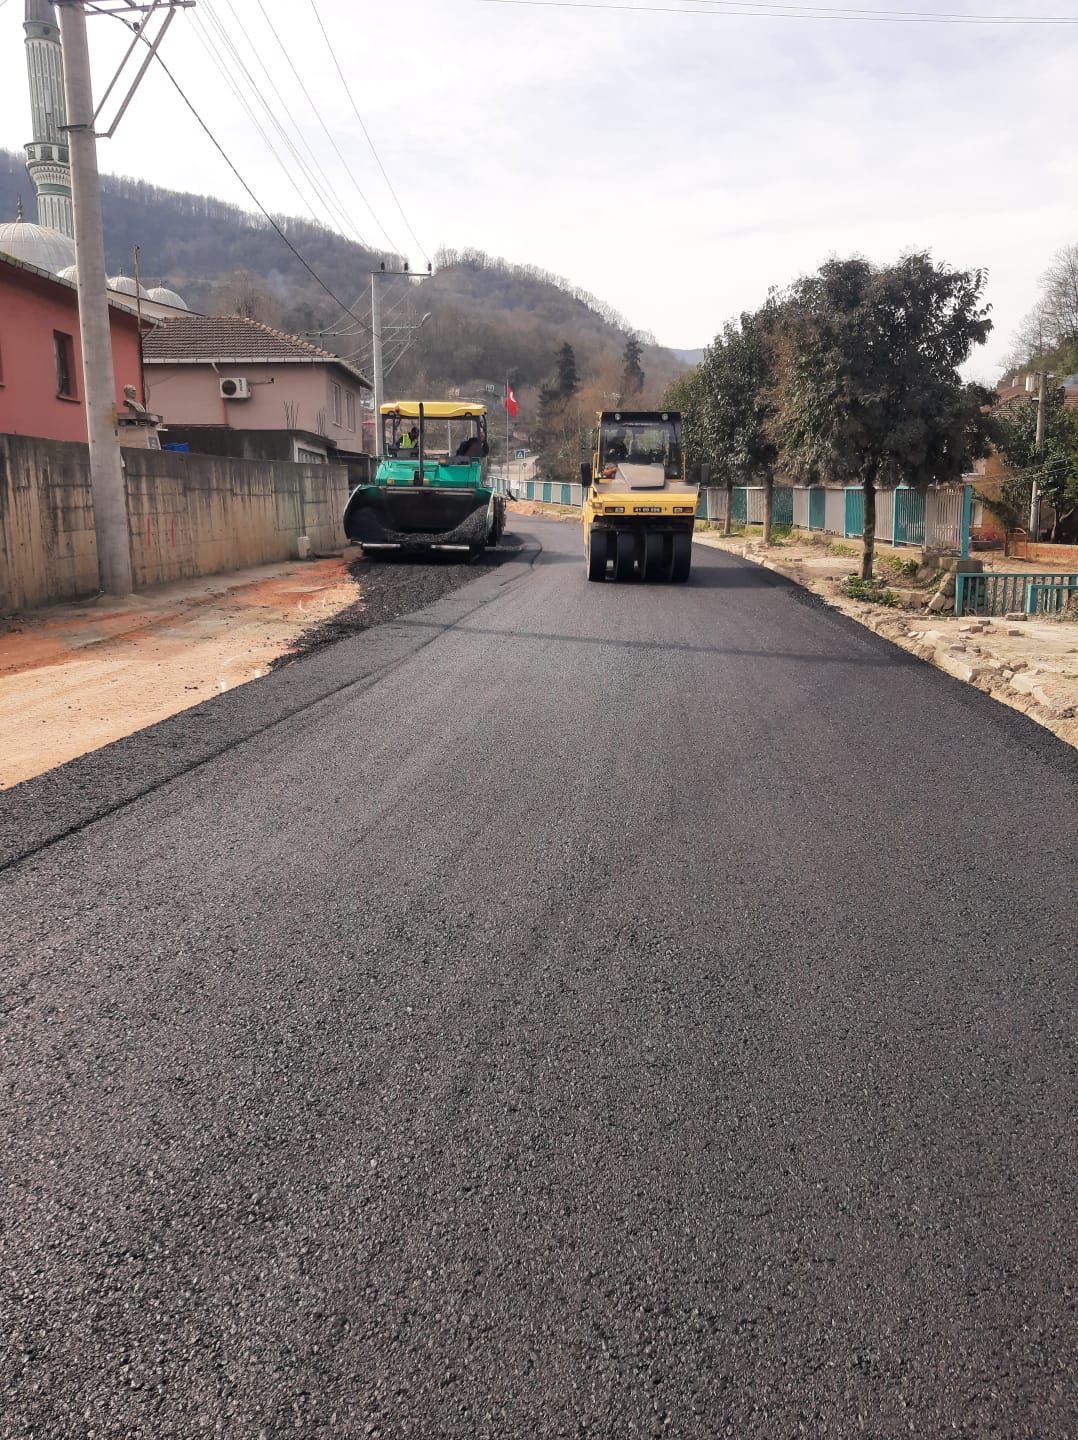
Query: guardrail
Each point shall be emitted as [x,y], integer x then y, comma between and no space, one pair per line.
[1009,592]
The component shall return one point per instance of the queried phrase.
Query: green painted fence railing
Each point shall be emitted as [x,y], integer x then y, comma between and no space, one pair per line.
[909,517]
[904,516]
[1009,593]
[855,511]
[782,505]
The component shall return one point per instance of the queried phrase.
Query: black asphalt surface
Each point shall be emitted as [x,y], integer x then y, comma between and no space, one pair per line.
[571,1010]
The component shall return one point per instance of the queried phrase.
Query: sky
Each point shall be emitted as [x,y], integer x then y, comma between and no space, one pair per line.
[676,158]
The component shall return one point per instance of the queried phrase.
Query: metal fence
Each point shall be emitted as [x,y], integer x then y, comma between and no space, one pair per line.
[1011,592]
[932,519]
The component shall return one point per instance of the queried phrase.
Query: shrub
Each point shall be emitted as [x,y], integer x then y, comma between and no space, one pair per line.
[868,590]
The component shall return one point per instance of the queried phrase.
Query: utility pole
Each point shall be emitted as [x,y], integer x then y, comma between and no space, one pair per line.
[98,378]
[379,377]
[376,342]
[1042,420]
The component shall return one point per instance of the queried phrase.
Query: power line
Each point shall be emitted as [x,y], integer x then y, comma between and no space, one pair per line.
[746,9]
[329,198]
[208,46]
[340,155]
[863,12]
[225,157]
[366,135]
[325,192]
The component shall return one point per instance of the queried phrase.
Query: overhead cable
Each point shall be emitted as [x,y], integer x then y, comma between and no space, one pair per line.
[366,134]
[325,192]
[329,134]
[746,9]
[228,161]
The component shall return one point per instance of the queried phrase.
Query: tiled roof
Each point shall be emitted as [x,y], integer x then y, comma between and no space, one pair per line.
[1007,393]
[232,340]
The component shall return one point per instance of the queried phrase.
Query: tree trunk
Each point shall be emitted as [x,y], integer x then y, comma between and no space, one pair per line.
[769,491]
[726,524]
[868,539]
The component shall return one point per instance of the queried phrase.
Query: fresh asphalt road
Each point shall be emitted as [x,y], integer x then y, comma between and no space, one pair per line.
[572,1010]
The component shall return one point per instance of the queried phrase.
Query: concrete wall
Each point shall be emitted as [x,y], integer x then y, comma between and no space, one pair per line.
[189,515]
[1052,557]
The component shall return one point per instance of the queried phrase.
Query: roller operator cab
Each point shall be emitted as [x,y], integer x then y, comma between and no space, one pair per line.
[430,490]
[638,507]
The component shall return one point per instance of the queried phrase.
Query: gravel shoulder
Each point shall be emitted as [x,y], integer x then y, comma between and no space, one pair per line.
[1031,665]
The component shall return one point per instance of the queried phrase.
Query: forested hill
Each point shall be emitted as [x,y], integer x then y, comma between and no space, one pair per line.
[191,242]
[476,319]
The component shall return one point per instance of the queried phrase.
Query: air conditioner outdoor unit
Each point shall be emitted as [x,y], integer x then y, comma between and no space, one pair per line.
[235,387]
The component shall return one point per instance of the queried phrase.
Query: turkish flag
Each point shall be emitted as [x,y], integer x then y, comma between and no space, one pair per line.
[511,400]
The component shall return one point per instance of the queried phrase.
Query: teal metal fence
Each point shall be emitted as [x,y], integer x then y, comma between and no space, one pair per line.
[908,524]
[1010,592]
[817,507]
[855,511]
[782,505]
[936,519]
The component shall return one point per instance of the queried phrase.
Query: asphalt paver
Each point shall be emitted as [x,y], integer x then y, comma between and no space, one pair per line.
[568,1010]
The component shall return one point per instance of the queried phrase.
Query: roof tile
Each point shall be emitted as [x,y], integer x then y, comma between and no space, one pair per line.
[230,338]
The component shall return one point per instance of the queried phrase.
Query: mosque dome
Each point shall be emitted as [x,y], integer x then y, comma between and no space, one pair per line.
[69,272]
[126,285]
[47,249]
[164,296]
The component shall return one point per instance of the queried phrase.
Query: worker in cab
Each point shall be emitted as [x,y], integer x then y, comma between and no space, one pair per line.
[409,440]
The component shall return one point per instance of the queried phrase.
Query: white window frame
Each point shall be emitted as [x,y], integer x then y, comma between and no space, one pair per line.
[350,409]
[335,402]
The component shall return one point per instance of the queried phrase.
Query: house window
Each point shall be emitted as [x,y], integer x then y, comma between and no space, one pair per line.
[335,402]
[350,408]
[64,349]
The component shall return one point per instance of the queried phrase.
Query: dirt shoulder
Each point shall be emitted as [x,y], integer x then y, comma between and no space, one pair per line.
[76,677]
[1031,665]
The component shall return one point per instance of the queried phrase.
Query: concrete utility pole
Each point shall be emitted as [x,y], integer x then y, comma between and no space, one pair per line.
[1042,420]
[98,378]
[379,377]
[376,342]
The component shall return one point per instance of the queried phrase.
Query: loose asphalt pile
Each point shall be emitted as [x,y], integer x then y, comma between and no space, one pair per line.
[390,587]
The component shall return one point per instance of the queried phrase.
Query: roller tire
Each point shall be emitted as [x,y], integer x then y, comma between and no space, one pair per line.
[596,552]
[624,555]
[680,556]
[654,563]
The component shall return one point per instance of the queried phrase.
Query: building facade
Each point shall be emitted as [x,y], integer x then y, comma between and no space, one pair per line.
[228,371]
[41,389]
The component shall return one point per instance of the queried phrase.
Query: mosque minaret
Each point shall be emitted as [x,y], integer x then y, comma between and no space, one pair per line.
[47,156]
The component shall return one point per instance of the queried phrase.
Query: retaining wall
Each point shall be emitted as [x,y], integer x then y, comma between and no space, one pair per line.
[189,515]
[1058,557]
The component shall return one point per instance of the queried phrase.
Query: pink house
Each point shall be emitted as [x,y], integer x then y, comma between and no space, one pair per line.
[41,390]
[230,371]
